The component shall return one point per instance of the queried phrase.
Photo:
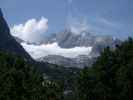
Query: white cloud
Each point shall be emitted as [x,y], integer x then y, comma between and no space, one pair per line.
[37,51]
[77,25]
[32,31]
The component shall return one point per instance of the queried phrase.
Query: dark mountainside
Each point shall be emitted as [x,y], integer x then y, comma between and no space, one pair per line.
[7,42]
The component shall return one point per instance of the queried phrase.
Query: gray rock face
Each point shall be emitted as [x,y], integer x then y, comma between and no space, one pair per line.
[68,39]
[78,62]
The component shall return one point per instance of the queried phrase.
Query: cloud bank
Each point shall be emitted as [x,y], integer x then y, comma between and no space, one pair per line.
[31,31]
[38,51]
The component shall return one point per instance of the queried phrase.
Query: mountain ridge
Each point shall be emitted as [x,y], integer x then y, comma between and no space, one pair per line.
[69,40]
[7,42]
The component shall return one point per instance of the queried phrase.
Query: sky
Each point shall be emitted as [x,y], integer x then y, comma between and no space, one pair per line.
[102,17]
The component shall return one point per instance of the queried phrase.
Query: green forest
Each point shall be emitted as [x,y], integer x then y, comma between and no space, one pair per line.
[109,78]
[21,81]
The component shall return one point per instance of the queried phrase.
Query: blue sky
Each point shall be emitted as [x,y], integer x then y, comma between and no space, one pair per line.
[104,17]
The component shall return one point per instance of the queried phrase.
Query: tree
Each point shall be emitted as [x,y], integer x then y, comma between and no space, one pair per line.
[21,81]
[111,76]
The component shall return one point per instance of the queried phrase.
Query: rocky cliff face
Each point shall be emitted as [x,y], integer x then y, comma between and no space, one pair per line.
[79,62]
[67,40]
[7,42]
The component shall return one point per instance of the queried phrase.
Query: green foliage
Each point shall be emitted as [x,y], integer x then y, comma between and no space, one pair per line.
[21,81]
[111,77]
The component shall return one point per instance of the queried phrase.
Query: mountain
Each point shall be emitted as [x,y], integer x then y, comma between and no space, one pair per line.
[67,62]
[7,42]
[65,40]
[68,40]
